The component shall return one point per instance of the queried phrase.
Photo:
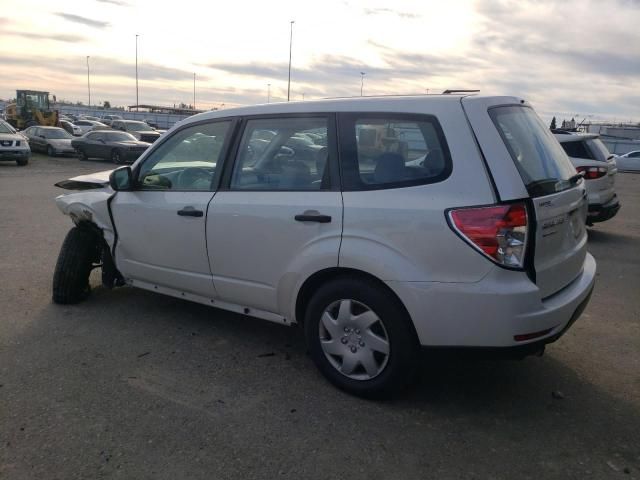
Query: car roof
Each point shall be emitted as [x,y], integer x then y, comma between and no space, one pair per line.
[397,103]
[49,128]
[575,137]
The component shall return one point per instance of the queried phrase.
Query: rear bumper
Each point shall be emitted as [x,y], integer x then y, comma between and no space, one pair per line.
[601,212]
[494,311]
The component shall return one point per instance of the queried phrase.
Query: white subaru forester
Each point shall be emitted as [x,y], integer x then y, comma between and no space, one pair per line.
[379,225]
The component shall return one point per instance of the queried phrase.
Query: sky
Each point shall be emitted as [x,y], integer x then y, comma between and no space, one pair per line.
[569,58]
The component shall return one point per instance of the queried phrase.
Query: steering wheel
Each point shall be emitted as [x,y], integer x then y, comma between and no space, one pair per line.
[190,175]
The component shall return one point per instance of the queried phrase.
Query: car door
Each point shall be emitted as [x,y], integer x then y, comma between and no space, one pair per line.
[31,137]
[277,217]
[35,140]
[161,223]
[90,144]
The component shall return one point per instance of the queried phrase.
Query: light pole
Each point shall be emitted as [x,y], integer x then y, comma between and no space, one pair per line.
[268,93]
[290,45]
[194,90]
[88,83]
[137,72]
[362,74]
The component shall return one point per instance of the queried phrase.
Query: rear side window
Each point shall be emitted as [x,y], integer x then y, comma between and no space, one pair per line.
[392,151]
[577,150]
[541,161]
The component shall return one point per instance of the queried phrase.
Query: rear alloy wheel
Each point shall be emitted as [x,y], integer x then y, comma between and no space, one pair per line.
[50,151]
[360,337]
[116,157]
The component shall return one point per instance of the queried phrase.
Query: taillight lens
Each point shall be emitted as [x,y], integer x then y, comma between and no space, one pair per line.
[500,232]
[591,173]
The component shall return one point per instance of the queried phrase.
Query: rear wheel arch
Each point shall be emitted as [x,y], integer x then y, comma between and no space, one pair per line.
[322,277]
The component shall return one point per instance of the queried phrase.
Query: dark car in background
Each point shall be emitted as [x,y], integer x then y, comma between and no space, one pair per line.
[119,147]
[140,130]
[52,140]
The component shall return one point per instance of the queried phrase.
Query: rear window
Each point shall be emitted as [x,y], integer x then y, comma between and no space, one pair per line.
[577,150]
[599,149]
[542,163]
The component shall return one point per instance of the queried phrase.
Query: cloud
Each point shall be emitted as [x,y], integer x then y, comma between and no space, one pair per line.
[114,2]
[83,20]
[389,11]
[56,37]
[100,66]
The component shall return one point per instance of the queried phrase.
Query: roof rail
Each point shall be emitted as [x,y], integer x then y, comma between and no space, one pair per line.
[447,92]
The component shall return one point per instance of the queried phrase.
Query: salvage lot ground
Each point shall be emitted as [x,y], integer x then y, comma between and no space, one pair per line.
[135,385]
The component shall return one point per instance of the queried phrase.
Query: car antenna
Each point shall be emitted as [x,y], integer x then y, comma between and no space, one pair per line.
[447,92]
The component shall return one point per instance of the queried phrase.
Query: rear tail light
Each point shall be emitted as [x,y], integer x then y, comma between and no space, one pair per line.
[499,232]
[591,173]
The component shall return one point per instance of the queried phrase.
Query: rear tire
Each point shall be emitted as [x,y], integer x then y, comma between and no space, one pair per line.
[83,154]
[50,151]
[79,251]
[373,356]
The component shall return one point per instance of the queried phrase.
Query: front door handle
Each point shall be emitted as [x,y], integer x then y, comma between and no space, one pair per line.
[313,217]
[190,212]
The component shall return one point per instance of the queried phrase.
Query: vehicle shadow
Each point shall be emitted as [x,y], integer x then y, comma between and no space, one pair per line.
[124,351]
[610,238]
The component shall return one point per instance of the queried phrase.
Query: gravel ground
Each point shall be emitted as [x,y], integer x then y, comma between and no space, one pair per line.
[134,385]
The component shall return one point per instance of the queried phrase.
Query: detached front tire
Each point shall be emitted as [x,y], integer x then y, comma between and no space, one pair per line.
[79,251]
[360,337]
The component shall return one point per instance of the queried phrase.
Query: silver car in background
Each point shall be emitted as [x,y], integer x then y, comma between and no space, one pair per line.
[598,167]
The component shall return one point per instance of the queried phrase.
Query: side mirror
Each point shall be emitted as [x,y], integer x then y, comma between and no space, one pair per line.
[121,179]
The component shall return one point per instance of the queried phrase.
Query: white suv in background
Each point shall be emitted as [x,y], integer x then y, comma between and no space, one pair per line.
[379,225]
[598,167]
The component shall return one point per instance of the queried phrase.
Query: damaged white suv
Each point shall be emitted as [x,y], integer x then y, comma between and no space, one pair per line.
[379,225]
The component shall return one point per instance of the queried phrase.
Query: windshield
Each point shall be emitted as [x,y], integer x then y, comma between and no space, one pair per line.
[119,137]
[137,126]
[6,128]
[541,161]
[56,134]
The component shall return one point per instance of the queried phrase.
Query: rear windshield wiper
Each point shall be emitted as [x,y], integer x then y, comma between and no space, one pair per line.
[576,178]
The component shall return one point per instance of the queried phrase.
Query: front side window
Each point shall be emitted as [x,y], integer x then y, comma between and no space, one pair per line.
[57,134]
[392,151]
[95,137]
[542,163]
[119,137]
[283,154]
[188,160]
[136,126]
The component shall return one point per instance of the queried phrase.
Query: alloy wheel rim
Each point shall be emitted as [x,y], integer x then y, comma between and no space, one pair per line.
[354,339]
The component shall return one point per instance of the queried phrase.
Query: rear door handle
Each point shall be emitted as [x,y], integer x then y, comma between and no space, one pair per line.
[190,212]
[313,217]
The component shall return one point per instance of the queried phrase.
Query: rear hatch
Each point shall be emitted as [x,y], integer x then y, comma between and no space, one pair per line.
[527,163]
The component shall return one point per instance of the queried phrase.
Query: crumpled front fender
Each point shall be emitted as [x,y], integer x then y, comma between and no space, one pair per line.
[89,206]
